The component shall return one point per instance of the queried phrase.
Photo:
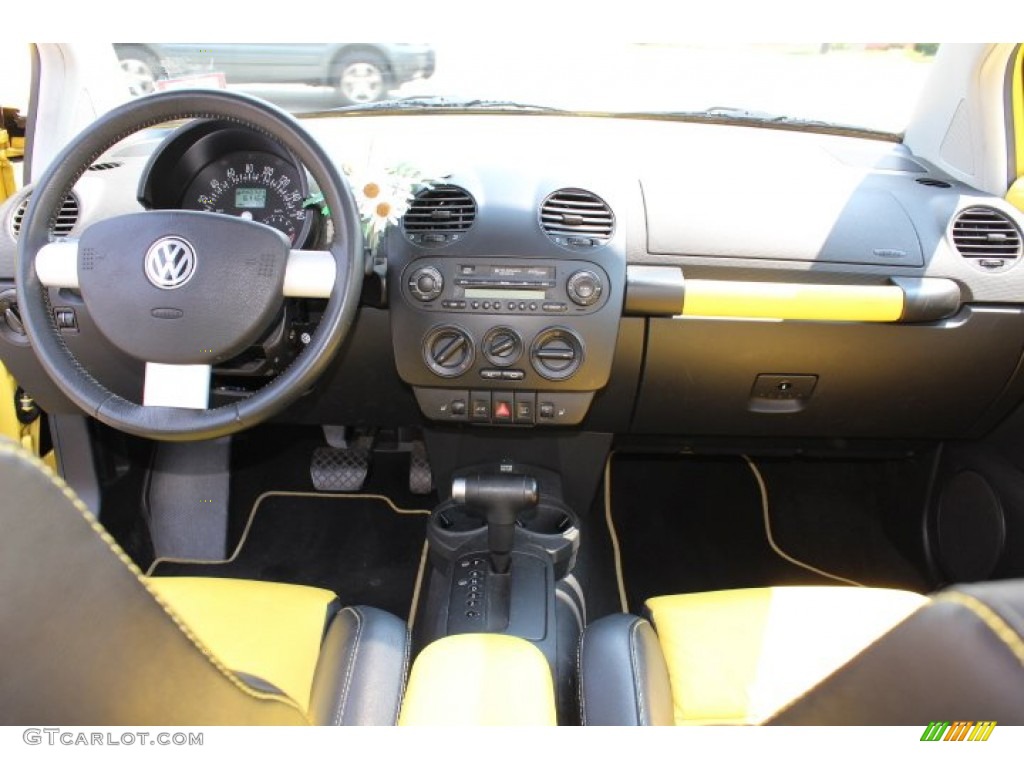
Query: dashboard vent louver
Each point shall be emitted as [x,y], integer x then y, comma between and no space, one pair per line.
[105,166]
[439,215]
[66,219]
[575,218]
[988,236]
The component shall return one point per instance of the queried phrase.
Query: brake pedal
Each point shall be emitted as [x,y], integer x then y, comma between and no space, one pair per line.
[421,478]
[341,469]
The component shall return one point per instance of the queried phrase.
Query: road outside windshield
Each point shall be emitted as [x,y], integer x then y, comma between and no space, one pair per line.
[873,86]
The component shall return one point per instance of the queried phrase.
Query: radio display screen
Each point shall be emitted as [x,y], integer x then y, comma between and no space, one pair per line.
[504,293]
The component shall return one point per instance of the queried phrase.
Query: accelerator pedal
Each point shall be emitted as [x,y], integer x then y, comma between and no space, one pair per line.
[341,466]
[421,478]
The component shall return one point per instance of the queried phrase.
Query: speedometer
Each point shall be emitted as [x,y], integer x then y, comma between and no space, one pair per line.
[254,185]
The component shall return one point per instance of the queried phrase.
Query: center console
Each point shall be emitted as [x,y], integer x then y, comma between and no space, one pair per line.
[499,547]
[505,330]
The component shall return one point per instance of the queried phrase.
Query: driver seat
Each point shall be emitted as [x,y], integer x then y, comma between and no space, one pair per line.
[88,640]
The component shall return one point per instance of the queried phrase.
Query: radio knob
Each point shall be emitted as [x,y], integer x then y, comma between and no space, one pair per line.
[426,283]
[584,288]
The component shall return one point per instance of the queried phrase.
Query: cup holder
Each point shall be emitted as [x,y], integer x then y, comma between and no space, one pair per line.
[550,518]
[452,517]
[552,527]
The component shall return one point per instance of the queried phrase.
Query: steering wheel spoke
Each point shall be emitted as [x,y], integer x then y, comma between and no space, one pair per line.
[177,386]
[57,264]
[310,274]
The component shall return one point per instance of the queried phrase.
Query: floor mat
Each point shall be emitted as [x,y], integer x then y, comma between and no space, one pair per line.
[360,548]
[688,524]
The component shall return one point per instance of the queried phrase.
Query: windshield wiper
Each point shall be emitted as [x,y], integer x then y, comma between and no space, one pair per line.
[439,104]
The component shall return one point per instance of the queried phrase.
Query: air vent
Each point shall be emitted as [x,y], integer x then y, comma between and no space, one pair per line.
[66,219]
[575,218]
[439,215]
[929,182]
[105,166]
[988,237]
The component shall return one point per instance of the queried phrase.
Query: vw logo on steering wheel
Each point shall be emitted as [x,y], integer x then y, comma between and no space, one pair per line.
[170,262]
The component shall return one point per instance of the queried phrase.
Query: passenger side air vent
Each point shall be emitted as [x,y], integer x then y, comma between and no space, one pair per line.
[575,218]
[988,237]
[439,215]
[66,219]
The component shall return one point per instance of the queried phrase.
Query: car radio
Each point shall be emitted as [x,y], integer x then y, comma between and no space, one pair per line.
[493,287]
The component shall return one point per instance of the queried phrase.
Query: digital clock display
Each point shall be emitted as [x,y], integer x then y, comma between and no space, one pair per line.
[251,197]
[504,293]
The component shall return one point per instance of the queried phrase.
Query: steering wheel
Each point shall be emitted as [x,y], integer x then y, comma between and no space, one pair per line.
[183,290]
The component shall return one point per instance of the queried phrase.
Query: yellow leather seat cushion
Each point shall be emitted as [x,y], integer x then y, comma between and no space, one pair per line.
[739,656]
[479,679]
[262,629]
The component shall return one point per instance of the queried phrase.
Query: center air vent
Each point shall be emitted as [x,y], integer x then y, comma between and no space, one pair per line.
[988,237]
[66,219]
[575,218]
[439,215]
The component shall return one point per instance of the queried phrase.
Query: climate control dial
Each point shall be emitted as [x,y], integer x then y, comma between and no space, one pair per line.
[502,346]
[556,353]
[448,351]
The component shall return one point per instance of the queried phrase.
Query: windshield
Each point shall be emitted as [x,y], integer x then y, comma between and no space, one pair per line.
[870,86]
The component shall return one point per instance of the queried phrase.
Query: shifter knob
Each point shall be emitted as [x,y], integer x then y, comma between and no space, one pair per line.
[498,498]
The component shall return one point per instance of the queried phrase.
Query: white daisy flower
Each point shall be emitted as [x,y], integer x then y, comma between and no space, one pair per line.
[383,196]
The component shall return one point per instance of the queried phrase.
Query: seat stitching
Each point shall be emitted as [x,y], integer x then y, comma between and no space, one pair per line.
[637,684]
[995,623]
[405,676]
[339,714]
[10,449]
[579,678]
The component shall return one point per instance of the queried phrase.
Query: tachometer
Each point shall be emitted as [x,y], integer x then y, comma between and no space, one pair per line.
[253,185]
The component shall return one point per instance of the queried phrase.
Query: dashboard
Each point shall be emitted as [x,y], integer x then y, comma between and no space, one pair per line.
[616,275]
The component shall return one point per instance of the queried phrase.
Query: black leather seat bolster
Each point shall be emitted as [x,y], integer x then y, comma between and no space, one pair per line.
[76,619]
[360,676]
[961,657]
[623,678]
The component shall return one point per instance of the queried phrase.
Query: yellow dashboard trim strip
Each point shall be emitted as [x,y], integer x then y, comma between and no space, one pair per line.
[793,301]
[1015,194]
[1017,102]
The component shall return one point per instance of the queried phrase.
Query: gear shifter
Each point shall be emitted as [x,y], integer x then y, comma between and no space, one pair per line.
[498,499]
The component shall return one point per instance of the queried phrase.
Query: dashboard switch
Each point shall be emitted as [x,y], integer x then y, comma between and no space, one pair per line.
[502,404]
[524,402]
[480,406]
